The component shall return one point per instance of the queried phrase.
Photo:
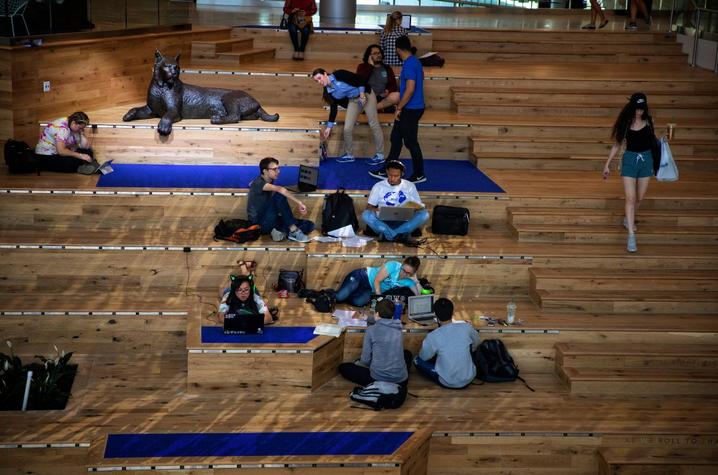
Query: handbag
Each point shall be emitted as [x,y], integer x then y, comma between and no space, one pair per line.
[290,280]
[450,220]
[284,22]
[668,171]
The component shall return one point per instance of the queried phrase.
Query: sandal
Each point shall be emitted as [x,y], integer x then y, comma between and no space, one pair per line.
[603,23]
[590,26]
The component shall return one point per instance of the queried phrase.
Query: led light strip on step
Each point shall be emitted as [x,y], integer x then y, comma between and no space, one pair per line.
[245,466]
[520,331]
[91,313]
[245,351]
[52,445]
[425,256]
[516,434]
[77,247]
[200,127]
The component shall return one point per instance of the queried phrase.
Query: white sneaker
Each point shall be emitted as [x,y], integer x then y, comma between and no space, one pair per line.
[631,246]
[278,235]
[298,236]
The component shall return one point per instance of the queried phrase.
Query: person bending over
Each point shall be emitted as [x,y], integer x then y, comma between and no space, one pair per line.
[242,298]
[360,284]
[268,206]
[446,353]
[63,146]
[394,191]
[380,77]
[408,113]
[346,89]
[383,357]
[300,21]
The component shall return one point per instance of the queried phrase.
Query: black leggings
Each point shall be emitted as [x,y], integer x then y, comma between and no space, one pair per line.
[62,163]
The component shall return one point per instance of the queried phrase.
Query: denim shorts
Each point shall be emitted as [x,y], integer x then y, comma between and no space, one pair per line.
[637,164]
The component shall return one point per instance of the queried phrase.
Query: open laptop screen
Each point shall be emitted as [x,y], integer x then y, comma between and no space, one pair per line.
[421,305]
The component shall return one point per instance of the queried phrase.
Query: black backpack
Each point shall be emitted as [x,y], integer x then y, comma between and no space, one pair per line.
[237,230]
[338,211]
[323,301]
[20,158]
[494,364]
[450,220]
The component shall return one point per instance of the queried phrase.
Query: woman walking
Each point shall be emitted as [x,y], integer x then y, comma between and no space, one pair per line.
[634,125]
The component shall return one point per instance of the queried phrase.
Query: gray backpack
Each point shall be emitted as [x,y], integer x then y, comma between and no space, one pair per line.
[380,395]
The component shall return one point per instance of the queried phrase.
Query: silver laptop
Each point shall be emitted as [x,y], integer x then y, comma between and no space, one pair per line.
[421,309]
[395,213]
[308,180]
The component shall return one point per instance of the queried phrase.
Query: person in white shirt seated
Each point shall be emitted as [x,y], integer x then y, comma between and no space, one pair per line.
[395,191]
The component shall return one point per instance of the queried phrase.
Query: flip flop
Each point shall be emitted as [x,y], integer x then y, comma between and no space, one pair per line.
[590,26]
[603,23]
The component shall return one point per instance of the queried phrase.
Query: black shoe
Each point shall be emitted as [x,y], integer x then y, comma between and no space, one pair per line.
[407,240]
[389,110]
[417,178]
[380,174]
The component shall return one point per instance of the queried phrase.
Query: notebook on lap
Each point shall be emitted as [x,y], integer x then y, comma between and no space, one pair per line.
[243,323]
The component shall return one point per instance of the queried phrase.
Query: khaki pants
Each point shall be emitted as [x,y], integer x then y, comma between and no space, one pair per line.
[353,111]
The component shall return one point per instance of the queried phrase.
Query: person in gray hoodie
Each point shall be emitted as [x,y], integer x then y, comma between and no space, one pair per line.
[383,357]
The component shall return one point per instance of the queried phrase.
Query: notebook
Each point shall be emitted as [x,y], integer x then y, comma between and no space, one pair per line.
[308,180]
[395,213]
[243,323]
[421,309]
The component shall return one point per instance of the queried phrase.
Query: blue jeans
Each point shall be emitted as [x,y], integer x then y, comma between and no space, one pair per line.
[355,289]
[391,229]
[427,369]
[279,215]
[299,45]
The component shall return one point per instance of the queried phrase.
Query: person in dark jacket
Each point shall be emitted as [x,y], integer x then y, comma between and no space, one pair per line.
[346,89]
[380,77]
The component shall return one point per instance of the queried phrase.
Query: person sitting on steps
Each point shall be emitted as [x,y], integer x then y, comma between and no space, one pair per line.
[268,206]
[63,146]
[383,357]
[394,191]
[380,77]
[360,284]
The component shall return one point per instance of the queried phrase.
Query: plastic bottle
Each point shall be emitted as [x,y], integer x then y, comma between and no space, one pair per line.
[510,312]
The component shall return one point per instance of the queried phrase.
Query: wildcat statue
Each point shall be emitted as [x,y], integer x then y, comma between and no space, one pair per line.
[172,100]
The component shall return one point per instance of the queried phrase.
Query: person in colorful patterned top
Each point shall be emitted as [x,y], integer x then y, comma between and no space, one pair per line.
[392,30]
[64,147]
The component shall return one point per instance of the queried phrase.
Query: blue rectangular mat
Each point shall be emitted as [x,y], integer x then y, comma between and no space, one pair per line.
[270,335]
[260,444]
[443,175]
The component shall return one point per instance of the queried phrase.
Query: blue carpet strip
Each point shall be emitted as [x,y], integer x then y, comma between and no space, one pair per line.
[270,335]
[253,444]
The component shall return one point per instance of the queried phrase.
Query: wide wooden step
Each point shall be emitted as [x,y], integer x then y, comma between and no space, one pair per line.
[677,460]
[557,57]
[209,49]
[593,216]
[627,301]
[565,37]
[646,381]
[615,234]
[698,357]
[658,280]
[549,47]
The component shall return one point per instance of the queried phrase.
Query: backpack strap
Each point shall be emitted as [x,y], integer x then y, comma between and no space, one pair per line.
[525,383]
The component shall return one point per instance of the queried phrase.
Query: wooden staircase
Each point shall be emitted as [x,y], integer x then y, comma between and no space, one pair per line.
[611,369]
[658,461]
[231,52]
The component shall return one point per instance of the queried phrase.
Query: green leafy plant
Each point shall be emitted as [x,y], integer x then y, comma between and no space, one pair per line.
[52,380]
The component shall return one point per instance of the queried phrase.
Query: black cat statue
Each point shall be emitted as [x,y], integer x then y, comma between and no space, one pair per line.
[172,100]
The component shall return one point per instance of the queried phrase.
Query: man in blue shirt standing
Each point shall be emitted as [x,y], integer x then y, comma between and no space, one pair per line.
[408,112]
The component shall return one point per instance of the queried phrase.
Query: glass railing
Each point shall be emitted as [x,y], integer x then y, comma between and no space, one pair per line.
[698,19]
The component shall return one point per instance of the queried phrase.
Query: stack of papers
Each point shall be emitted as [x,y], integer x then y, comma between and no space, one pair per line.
[328,329]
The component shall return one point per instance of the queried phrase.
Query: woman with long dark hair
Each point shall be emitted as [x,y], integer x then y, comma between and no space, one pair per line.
[634,125]
[243,298]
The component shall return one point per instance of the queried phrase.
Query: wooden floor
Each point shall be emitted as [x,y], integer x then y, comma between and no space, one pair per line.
[620,349]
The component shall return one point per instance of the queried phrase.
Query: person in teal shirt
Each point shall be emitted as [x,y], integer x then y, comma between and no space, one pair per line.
[360,284]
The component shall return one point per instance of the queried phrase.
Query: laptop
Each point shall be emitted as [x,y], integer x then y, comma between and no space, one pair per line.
[395,213]
[243,323]
[308,180]
[421,309]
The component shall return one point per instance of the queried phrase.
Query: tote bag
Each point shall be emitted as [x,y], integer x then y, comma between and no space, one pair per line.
[668,170]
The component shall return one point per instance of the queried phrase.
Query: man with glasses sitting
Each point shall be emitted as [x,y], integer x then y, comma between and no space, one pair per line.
[268,206]
[360,284]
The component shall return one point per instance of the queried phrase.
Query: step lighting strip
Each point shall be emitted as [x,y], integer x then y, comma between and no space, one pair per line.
[245,466]
[52,445]
[91,313]
[424,256]
[201,127]
[71,247]
[522,331]
[517,434]
[246,351]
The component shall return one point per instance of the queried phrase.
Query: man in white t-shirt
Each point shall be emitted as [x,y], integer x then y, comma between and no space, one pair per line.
[394,191]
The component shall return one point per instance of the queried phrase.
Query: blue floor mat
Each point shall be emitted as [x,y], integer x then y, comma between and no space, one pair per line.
[253,444]
[270,335]
[443,175]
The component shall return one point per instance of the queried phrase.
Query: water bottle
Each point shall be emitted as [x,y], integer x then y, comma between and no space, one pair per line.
[510,312]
